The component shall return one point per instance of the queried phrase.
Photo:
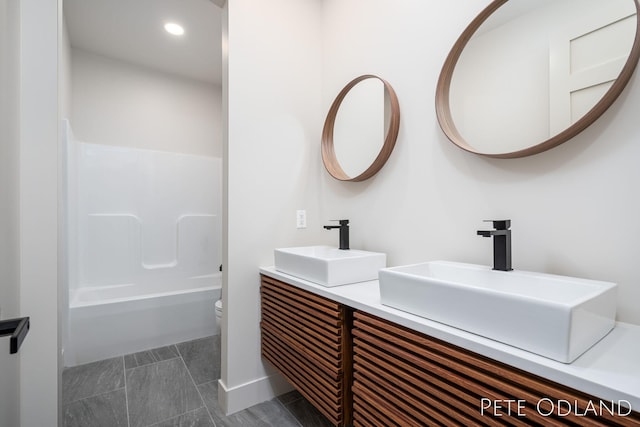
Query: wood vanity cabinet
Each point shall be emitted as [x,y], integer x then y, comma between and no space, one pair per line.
[402,377]
[307,338]
[361,370]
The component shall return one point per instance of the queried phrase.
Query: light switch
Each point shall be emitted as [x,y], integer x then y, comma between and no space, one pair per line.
[301,218]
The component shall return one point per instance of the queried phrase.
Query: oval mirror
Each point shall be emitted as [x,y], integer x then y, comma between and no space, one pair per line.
[361,129]
[527,75]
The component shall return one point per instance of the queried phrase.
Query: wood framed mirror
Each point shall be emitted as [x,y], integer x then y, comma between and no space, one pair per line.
[369,129]
[487,101]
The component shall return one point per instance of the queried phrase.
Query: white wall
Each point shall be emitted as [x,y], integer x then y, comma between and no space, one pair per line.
[574,209]
[9,150]
[272,158]
[117,103]
[430,198]
[9,201]
[64,217]
[65,71]
[40,362]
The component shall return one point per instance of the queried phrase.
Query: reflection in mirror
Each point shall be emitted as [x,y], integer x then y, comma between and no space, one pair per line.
[360,126]
[529,78]
[360,129]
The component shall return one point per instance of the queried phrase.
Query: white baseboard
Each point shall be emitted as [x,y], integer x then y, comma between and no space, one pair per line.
[240,397]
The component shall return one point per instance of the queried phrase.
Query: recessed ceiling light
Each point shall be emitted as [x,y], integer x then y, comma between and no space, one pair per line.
[173,28]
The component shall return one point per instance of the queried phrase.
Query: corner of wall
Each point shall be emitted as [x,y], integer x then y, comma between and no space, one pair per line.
[237,398]
[272,168]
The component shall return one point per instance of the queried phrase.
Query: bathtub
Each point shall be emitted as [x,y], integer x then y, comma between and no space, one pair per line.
[142,248]
[111,321]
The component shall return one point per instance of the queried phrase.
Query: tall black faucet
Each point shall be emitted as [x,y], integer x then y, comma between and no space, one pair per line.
[344,232]
[501,243]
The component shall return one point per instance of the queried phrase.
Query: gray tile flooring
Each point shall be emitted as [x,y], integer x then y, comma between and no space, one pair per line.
[173,386]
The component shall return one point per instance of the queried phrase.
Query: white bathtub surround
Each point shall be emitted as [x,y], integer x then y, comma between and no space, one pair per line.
[141,214]
[144,249]
[116,320]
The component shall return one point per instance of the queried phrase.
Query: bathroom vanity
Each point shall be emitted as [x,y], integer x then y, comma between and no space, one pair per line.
[307,338]
[362,363]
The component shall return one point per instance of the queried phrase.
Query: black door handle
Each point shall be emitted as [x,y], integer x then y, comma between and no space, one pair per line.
[18,329]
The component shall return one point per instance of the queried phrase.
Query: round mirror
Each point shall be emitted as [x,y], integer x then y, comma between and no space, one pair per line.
[361,129]
[527,75]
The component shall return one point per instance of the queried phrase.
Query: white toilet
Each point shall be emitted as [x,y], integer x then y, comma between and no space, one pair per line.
[218,315]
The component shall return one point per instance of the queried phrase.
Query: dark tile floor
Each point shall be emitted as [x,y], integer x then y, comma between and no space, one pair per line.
[174,386]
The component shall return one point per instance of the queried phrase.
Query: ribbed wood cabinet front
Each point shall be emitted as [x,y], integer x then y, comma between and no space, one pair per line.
[404,378]
[307,338]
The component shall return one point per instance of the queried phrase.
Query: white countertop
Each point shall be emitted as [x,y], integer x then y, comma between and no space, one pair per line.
[610,370]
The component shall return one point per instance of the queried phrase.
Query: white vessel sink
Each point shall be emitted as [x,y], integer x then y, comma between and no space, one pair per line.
[554,316]
[329,266]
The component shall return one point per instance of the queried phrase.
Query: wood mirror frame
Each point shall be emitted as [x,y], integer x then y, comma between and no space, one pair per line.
[329,158]
[443,110]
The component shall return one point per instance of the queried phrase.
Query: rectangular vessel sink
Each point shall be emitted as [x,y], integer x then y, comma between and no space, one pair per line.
[554,316]
[329,266]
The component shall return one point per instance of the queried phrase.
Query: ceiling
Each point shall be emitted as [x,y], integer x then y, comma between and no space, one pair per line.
[132,31]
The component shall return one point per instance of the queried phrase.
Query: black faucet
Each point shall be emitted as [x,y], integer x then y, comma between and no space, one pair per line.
[344,232]
[501,243]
